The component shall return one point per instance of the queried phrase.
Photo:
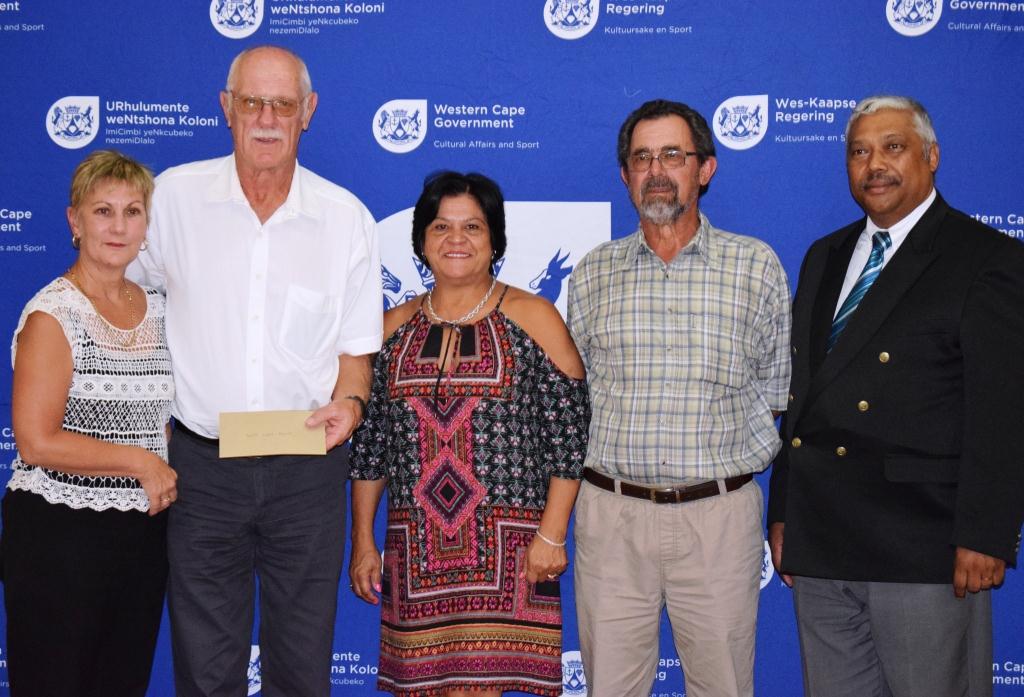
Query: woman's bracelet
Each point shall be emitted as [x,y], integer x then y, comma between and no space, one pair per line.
[550,542]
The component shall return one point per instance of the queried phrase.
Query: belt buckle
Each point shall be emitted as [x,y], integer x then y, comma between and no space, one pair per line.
[674,491]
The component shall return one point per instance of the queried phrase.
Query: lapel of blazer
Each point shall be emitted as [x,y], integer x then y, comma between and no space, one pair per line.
[820,283]
[914,256]
[840,251]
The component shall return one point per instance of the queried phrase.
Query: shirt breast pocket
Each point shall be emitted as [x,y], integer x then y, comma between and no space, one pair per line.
[716,351]
[308,324]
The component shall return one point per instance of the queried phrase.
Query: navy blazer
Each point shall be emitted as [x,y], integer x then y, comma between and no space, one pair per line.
[903,442]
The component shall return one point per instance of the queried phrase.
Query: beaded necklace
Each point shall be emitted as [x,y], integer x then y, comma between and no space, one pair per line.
[455,334]
[455,323]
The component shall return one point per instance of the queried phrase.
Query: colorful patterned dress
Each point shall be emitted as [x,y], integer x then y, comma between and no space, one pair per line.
[468,455]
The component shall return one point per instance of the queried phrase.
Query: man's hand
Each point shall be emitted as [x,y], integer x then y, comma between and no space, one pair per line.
[974,571]
[775,535]
[341,417]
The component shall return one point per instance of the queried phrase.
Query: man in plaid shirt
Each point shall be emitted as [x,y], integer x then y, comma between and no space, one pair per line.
[685,333]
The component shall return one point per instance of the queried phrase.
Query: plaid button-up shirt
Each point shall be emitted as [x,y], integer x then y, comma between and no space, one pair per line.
[686,360]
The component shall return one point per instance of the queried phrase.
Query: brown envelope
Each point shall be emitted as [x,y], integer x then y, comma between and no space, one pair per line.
[256,433]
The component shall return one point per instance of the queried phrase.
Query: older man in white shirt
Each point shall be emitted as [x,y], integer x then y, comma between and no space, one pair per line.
[272,276]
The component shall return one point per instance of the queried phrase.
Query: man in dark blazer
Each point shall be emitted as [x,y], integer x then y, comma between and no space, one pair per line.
[897,500]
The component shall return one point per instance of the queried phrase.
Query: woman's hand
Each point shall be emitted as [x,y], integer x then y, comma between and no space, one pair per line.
[544,562]
[364,571]
[159,481]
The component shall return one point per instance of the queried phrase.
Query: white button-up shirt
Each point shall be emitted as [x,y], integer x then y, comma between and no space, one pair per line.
[257,313]
[897,234]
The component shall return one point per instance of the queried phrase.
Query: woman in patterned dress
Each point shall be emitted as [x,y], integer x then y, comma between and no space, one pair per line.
[84,565]
[477,426]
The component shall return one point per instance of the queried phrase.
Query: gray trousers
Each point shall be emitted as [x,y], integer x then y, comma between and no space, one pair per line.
[279,519]
[866,639]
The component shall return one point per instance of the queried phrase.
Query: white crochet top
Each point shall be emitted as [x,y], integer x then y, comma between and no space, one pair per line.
[121,392]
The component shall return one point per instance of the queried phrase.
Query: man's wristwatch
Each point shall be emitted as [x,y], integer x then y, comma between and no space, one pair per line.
[362,405]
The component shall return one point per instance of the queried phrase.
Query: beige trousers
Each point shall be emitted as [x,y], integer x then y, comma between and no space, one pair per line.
[699,560]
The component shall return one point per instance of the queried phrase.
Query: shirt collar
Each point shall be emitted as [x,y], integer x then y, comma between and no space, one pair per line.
[228,187]
[900,230]
[702,245]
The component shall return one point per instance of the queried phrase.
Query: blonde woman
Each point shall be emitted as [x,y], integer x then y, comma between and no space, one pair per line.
[83,518]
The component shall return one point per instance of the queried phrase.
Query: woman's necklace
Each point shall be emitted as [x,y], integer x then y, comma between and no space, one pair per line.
[466,317]
[128,340]
[454,341]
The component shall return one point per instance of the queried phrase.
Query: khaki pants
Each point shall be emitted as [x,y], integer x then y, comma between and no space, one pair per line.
[701,560]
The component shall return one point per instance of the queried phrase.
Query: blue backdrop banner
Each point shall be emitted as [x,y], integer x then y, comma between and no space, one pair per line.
[531,93]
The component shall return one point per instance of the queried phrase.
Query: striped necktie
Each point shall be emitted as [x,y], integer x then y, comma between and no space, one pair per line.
[880,241]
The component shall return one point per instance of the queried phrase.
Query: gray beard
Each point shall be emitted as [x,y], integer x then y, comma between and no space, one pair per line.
[660,212]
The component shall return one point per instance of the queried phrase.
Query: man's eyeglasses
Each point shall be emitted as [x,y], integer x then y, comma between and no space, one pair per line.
[670,158]
[251,104]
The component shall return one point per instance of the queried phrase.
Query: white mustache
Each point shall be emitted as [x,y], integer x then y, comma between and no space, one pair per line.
[274,133]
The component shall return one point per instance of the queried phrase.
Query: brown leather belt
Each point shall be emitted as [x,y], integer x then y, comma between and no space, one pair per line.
[675,494]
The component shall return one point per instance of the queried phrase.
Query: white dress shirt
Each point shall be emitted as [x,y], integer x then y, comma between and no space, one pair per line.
[257,313]
[861,252]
